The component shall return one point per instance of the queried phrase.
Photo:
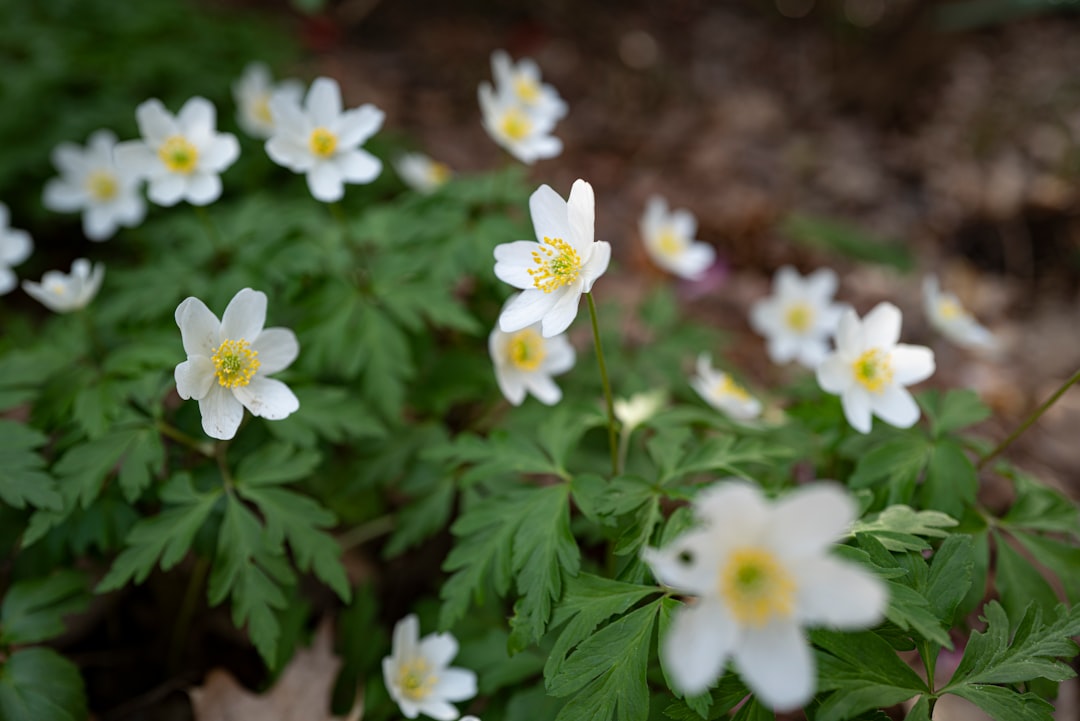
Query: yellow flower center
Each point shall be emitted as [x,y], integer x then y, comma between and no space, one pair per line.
[799,317]
[322,142]
[515,124]
[438,173]
[261,109]
[669,243]
[728,387]
[56,287]
[756,587]
[235,363]
[873,369]
[949,309]
[558,264]
[526,350]
[415,679]
[178,154]
[102,185]
[527,89]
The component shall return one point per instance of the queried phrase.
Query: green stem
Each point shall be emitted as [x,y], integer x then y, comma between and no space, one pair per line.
[1029,420]
[607,387]
[204,447]
[367,531]
[220,451]
[624,447]
[187,612]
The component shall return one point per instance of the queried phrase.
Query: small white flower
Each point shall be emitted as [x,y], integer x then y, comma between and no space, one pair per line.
[181,156]
[870,368]
[65,292]
[761,571]
[952,320]
[421,173]
[525,361]
[229,363]
[418,675]
[723,392]
[638,408]
[91,182]
[15,247]
[523,82]
[521,133]
[253,92]
[323,141]
[556,270]
[669,239]
[799,318]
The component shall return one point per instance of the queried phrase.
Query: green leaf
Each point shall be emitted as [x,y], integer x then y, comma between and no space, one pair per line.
[23,479]
[951,479]
[908,608]
[38,684]
[955,410]
[898,527]
[898,462]
[330,414]
[920,711]
[423,517]
[276,464]
[1040,508]
[386,361]
[1063,559]
[731,455]
[1003,704]
[846,239]
[500,454]
[754,711]
[34,609]
[1018,581]
[951,572]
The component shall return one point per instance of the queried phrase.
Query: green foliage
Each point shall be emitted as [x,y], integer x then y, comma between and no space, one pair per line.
[38,684]
[33,610]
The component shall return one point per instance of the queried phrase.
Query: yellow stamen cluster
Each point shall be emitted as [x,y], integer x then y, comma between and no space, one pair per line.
[261,109]
[102,185]
[235,363]
[756,587]
[322,142]
[873,369]
[438,173]
[728,387]
[527,89]
[415,679]
[525,349]
[949,309]
[669,243]
[799,317]
[515,124]
[558,264]
[178,154]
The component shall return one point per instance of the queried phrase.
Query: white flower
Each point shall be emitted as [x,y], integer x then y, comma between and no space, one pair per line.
[91,182]
[556,270]
[869,369]
[421,173]
[669,239]
[323,141]
[253,92]
[63,292]
[799,318]
[418,676]
[229,361]
[525,361]
[637,409]
[952,320]
[723,392]
[181,156]
[15,247]
[760,572]
[522,81]
[521,133]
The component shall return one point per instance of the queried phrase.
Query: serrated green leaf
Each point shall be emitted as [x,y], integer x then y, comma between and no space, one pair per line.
[951,480]
[953,411]
[1063,559]
[898,527]
[500,454]
[276,464]
[731,455]
[863,671]
[951,572]
[34,609]
[1040,508]
[23,479]
[38,684]
[328,413]
[422,518]
[898,462]
[1003,704]
[1018,581]
[386,361]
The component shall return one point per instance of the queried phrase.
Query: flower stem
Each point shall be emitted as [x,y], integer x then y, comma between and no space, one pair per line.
[607,387]
[187,612]
[1029,420]
[367,531]
[203,447]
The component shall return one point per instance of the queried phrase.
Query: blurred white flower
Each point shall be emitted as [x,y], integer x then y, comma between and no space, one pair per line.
[15,247]
[669,239]
[525,361]
[65,292]
[323,141]
[525,135]
[91,182]
[723,392]
[181,156]
[633,411]
[870,368]
[523,82]
[253,92]
[556,270]
[418,675]
[421,173]
[229,363]
[761,571]
[952,320]
[799,318]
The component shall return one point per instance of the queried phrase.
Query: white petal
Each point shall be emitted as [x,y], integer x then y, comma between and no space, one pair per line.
[563,312]
[765,316]
[406,637]
[193,377]
[277,349]
[689,563]
[15,246]
[438,648]
[511,384]
[203,188]
[783,347]
[549,214]
[834,374]
[895,406]
[69,159]
[245,315]
[596,265]
[821,285]
[776,663]
[684,223]
[513,262]
[197,118]
[438,709]
[137,158]
[560,355]
[455,684]
[290,153]
[199,327]
[8,281]
[912,364]
[787,282]
[324,102]
[881,326]
[839,594]
[221,413]
[525,309]
[581,213]
[267,398]
[155,122]
[62,196]
[812,351]
[167,190]
[849,333]
[736,510]
[543,388]
[357,166]
[694,261]
[37,292]
[697,645]
[856,404]
[324,182]
[359,124]
[99,222]
[808,520]
[219,153]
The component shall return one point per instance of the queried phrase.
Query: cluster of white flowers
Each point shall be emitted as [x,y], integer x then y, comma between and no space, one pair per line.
[520,111]
[418,675]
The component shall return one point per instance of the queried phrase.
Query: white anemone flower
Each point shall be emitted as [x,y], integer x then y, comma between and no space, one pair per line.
[253,92]
[421,173]
[90,181]
[525,361]
[418,675]
[229,363]
[723,392]
[323,141]
[870,368]
[633,411]
[761,571]
[523,81]
[669,240]
[15,247]
[66,292]
[951,319]
[554,271]
[799,318]
[181,156]
[523,134]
